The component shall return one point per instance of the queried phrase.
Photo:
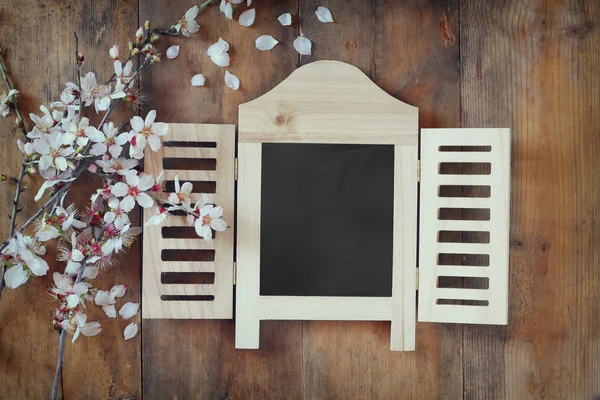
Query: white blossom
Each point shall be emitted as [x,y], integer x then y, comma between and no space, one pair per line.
[182,193]
[188,25]
[206,217]
[110,141]
[120,165]
[5,101]
[133,191]
[114,52]
[146,131]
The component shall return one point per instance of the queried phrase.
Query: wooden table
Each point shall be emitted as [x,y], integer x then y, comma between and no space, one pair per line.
[533,66]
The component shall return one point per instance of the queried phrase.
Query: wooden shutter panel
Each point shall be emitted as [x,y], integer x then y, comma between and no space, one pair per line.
[173,253]
[464,225]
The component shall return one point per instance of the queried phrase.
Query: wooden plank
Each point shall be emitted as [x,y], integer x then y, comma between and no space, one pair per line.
[40,56]
[534,67]
[326,109]
[403,325]
[326,308]
[248,246]
[197,359]
[221,306]
[410,50]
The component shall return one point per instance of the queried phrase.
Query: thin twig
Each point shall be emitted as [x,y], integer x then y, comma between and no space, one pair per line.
[59,361]
[10,87]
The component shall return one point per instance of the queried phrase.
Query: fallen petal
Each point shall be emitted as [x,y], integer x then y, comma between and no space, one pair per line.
[247,17]
[130,331]
[118,291]
[221,59]
[303,46]
[285,19]
[129,310]
[198,80]
[110,311]
[232,81]
[173,52]
[266,42]
[324,14]
[217,48]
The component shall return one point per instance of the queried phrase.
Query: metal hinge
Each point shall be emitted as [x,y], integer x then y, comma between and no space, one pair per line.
[418,170]
[235,170]
[234,273]
[417,278]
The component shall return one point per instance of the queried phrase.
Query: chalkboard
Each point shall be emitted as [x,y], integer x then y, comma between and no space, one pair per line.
[326,220]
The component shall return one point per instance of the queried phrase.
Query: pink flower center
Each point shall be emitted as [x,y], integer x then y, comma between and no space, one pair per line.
[134,191]
[206,220]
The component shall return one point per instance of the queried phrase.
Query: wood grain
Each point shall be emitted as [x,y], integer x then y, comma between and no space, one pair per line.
[402,47]
[199,355]
[221,265]
[40,56]
[534,67]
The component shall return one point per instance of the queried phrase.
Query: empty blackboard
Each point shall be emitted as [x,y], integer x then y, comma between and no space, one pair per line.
[326,219]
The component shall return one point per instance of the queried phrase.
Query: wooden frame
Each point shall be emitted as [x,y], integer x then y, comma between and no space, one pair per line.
[475,305]
[154,291]
[327,102]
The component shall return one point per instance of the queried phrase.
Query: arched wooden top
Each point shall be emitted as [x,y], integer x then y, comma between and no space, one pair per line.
[328,102]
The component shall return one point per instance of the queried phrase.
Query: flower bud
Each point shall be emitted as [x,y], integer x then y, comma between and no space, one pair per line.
[31,170]
[93,168]
[130,45]
[147,25]
[156,58]
[80,58]
[18,122]
[154,38]
[114,52]
[139,34]
[135,52]
[3,177]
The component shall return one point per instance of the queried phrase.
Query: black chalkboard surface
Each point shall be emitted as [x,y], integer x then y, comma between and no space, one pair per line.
[326,220]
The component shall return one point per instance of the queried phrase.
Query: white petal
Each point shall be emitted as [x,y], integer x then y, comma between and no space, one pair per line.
[247,17]
[137,123]
[324,14]
[217,48]
[119,189]
[72,300]
[90,272]
[103,298]
[156,219]
[110,311]
[129,310]
[130,331]
[265,42]
[144,200]
[232,81]
[15,276]
[91,329]
[222,59]
[285,19]
[118,291]
[218,225]
[198,80]
[303,46]
[172,52]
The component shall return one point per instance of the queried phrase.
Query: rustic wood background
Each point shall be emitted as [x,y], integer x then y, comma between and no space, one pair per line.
[533,66]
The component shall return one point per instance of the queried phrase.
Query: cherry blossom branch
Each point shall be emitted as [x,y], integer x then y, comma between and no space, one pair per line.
[19,181]
[63,333]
